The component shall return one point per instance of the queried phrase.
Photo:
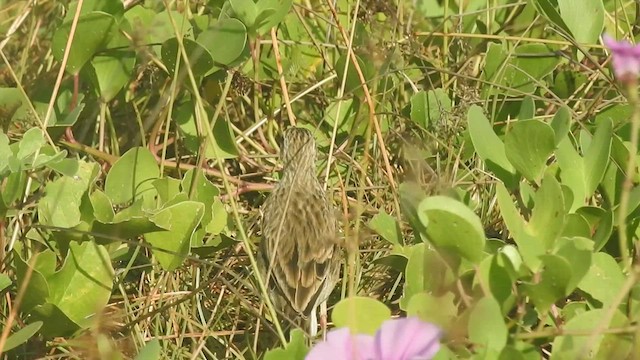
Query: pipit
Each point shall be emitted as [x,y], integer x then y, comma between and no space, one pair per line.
[299,250]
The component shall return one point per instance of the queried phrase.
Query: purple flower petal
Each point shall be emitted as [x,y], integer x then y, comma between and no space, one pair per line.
[407,339]
[626,58]
[342,345]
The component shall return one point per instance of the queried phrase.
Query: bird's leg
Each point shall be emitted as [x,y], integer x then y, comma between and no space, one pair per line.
[313,323]
[323,319]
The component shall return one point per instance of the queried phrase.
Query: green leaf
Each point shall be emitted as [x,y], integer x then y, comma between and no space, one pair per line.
[428,107]
[83,284]
[451,225]
[246,10]
[527,109]
[21,336]
[55,321]
[548,216]
[572,174]
[274,18]
[225,40]
[528,144]
[486,325]
[172,246]
[344,118]
[561,123]
[37,289]
[224,143]
[60,206]
[93,31]
[548,9]
[578,252]
[386,226]
[585,19]
[596,157]
[200,60]
[555,279]
[489,146]
[517,75]
[600,346]
[32,141]
[150,351]
[131,177]
[296,349]
[529,246]
[440,310]
[604,279]
[497,276]
[5,282]
[363,315]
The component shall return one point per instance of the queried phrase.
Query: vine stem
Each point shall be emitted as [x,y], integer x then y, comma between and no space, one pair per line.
[630,171]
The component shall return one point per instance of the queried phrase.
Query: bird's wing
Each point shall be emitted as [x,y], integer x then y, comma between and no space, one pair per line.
[301,239]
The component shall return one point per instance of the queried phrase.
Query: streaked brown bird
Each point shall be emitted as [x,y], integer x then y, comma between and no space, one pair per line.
[299,251]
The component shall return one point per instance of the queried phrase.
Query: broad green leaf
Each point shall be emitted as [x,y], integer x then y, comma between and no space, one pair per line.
[529,246]
[585,19]
[83,285]
[428,107]
[572,172]
[488,145]
[281,8]
[102,207]
[548,9]
[548,216]
[519,73]
[21,336]
[363,315]
[561,123]
[451,225]
[497,278]
[578,252]
[93,31]
[54,321]
[171,247]
[167,188]
[224,142]
[604,279]
[246,10]
[596,157]
[200,60]
[440,310]
[31,141]
[553,285]
[60,206]
[527,109]
[576,225]
[5,282]
[131,177]
[600,346]
[386,226]
[111,74]
[37,289]
[225,40]
[411,194]
[296,349]
[344,118]
[151,351]
[528,144]
[486,325]
[11,100]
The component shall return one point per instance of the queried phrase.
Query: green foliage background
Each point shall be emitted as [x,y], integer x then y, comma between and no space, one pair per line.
[477,150]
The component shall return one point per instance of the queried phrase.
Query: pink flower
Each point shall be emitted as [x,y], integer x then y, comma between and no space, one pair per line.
[407,339]
[342,345]
[626,58]
[399,339]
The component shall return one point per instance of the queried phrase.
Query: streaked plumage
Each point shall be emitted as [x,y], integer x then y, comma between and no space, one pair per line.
[299,250]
